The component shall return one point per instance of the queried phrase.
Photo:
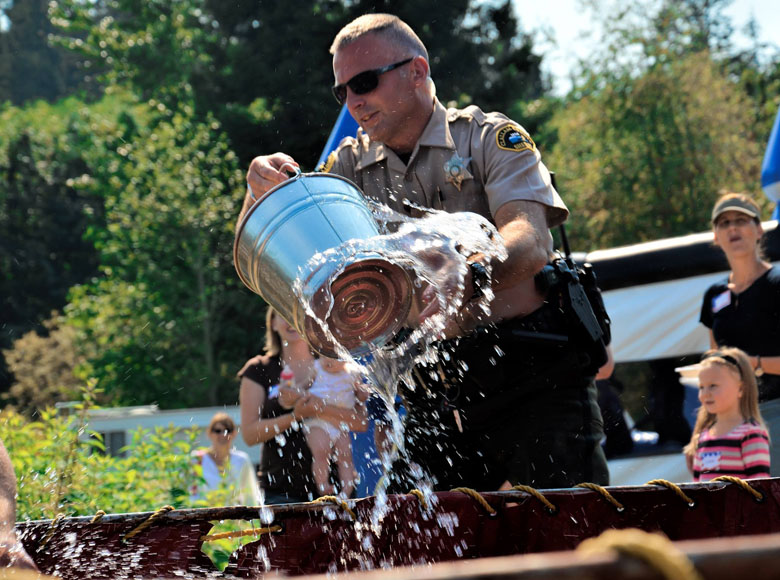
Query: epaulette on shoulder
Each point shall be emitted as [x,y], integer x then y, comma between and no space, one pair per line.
[468,113]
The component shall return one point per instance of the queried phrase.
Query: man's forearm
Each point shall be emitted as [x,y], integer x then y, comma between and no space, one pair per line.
[528,252]
[523,227]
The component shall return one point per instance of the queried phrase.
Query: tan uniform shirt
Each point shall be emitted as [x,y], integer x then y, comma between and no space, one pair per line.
[465,160]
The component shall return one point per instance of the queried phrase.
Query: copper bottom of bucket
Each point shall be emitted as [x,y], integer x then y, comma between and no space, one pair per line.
[371,300]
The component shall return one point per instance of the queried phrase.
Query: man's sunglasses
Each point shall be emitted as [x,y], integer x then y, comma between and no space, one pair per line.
[365,82]
[225,430]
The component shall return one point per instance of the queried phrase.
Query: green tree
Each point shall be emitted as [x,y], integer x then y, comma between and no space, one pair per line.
[657,125]
[43,366]
[640,35]
[646,159]
[43,215]
[160,324]
[30,68]
[757,68]
[267,76]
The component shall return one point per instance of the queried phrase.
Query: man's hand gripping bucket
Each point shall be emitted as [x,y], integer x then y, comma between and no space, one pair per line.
[363,302]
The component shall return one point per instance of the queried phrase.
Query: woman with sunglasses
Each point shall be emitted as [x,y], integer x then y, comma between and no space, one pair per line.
[743,310]
[223,467]
[272,412]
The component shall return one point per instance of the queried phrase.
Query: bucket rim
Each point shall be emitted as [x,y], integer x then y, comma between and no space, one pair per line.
[266,195]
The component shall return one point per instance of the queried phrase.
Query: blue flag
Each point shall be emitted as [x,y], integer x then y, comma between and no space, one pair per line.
[770,169]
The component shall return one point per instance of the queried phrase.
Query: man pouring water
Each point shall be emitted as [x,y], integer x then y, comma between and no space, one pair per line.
[511,400]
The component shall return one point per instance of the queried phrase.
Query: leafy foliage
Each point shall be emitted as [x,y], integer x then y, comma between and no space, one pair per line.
[659,124]
[61,468]
[158,321]
[44,368]
[659,148]
[43,216]
[30,68]
[266,76]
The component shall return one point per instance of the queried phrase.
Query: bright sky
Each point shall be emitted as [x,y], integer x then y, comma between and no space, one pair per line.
[569,22]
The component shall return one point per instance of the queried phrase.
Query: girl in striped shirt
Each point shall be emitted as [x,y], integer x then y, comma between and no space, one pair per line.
[729,437]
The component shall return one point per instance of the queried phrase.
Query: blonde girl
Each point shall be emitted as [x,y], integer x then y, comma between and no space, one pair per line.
[729,437]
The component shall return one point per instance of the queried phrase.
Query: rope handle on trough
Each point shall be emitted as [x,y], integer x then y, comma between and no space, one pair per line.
[478,497]
[758,496]
[420,497]
[148,522]
[240,534]
[530,490]
[604,492]
[655,549]
[337,501]
[675,488]
[52,528]
[97,517]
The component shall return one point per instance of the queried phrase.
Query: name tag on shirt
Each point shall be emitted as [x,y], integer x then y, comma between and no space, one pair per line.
[720,301]
[710,459]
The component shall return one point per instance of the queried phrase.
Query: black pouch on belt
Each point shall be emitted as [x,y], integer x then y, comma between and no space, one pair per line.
[579,297]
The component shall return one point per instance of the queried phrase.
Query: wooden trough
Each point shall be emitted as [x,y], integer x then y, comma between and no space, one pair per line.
[725,528]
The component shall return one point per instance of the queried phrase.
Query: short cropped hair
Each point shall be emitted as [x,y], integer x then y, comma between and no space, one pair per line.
[391,27]
[224,419]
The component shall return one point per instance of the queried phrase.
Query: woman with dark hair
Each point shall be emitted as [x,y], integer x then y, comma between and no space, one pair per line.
[743,310]
[271,412]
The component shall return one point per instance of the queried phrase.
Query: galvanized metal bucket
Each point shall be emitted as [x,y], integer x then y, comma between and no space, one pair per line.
[363,306]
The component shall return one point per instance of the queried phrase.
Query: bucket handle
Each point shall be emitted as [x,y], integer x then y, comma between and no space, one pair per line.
[291,169]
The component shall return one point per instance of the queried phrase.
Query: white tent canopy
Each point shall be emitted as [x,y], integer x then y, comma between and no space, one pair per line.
[653,292]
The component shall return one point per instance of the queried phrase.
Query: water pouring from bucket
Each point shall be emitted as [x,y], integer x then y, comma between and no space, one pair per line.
[349,274]
[364,298]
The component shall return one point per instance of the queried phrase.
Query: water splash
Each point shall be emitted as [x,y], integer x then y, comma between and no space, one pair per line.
[434,252]
[432,255]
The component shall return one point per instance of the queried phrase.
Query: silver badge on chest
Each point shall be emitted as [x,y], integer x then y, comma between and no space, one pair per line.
[455,169]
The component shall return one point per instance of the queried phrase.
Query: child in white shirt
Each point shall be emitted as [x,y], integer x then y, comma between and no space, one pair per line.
[335,384]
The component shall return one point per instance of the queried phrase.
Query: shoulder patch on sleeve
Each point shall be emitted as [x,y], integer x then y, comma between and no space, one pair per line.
[327,165]
[513,138]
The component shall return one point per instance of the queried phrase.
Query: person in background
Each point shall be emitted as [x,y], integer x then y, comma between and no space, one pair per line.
[270,413]
[12,553]
[482,419]
[729,437]
[743,310]
[223,465]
